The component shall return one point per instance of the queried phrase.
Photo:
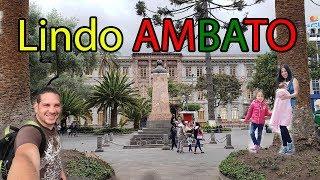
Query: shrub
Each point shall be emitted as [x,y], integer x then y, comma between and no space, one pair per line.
[192,107]
[234,169]
[89,167]
[85,129]
[209,129]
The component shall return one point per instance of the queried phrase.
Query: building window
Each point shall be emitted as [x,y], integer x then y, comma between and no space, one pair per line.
[223,113]
[235,114]
[188,71]
[143,72]
[233,70]
[221,69]
[199,71]
[315,87]
[250,95]
[201,115]
[312,32]
[101,118]
[249,71]
[200,95]
[125,70]
[172,71]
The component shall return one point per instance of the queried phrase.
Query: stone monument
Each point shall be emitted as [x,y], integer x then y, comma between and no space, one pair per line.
[160,113]
[158,124]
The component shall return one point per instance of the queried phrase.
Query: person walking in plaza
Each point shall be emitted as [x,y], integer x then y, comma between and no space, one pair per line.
[181,133]
[198,135]
[189,141]
[281,118]
[173,134]
[257,112]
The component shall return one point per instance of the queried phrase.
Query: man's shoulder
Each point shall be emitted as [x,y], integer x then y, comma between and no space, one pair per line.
[28,134]
[29,130]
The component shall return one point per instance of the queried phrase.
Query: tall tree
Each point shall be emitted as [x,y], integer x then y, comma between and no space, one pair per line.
[264,76]
[48,63]
[303,123]
[226,88]
[195,9]
[14,66]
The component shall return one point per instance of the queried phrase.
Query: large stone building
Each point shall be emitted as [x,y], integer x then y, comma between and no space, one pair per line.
[186,69]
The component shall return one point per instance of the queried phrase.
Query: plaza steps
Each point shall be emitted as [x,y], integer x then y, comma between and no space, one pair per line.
[148,138]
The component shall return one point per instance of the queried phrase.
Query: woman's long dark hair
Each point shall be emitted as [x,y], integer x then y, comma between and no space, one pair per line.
[282,79]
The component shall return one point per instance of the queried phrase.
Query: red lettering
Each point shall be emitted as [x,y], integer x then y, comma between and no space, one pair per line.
[146,26]
[256,23]
[292,32]
[187,31]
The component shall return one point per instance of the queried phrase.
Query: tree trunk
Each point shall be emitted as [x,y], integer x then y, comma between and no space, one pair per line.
[296,58]
[136,123]
[15,103]
[210,98]
[114,114]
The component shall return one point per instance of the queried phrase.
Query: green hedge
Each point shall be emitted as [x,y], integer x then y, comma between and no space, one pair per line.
[113,130]
[234,169]
[209,129]
[89,167]
[86,129]
[192,107]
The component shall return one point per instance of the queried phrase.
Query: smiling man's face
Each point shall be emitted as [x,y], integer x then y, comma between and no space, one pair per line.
[48,109]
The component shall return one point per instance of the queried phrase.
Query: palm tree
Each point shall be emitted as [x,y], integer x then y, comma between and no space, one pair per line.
[73,105]
[137,112]
[114,91]
[107,61]
[297,59]
[14,66]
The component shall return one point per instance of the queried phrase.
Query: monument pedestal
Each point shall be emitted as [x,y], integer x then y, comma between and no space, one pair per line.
[158,122]
[150,137]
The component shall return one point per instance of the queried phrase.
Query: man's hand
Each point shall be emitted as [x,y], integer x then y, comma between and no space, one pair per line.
[26,163]
[63,175]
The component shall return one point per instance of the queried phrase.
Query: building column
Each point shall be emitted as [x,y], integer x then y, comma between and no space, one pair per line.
[229,112]
[94,116]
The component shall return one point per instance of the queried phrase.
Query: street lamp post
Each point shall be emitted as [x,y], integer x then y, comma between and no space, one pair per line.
[317,44]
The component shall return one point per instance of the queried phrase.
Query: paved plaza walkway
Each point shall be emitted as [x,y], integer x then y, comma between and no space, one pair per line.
[157,164]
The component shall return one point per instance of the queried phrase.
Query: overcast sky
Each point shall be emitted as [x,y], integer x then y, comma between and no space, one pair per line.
[121,13]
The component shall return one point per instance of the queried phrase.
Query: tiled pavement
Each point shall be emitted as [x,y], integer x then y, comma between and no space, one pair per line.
[157,164]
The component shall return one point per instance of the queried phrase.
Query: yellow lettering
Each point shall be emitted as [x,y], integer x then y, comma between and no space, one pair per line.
[43,35]
[67,40]
[22,39]
[92,31]
[118,39]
